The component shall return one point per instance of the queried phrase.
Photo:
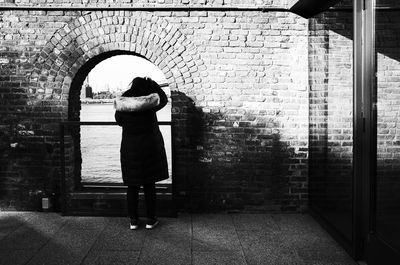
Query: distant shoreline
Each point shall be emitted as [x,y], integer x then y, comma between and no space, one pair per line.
[97,101]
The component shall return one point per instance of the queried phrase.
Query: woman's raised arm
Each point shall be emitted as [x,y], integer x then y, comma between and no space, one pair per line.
[163,97]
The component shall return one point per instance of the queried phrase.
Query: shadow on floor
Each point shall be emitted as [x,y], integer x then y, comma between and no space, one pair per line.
[48,238]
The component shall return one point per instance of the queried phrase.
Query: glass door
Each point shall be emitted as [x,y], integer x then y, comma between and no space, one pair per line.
[383,244]
[331,42]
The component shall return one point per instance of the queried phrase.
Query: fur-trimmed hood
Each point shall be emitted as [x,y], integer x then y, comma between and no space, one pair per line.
[131,104]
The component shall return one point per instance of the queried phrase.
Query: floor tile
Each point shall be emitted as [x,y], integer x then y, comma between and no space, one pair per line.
[349,262]
[158,251]
[85,223]
[33,233]
[118,236]
[296,223]
[16,257]
[213,232]
[262,248]
[219,258]
[10,221]
[263,223]
[172,226]
[213,239]
[220,221]
[168,241]
[68,246]
[107,257]
[323,251]
[278,239]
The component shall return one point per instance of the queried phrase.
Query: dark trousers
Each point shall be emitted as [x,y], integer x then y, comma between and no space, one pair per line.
[132,197]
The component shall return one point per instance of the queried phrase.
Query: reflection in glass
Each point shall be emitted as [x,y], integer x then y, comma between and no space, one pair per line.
[331,119]
[388,124]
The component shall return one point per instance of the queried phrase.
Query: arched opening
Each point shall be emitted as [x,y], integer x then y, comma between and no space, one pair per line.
[97,83]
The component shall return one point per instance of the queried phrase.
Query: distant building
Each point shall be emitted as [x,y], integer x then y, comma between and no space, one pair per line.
[104,95]
[88,92]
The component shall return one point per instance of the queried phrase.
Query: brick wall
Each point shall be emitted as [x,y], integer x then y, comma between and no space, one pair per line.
[252,3]
[239,99]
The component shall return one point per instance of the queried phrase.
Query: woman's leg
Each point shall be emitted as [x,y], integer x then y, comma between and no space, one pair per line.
[132,199]
[150,199]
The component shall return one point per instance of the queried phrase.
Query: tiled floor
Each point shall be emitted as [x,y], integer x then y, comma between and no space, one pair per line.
[48,238]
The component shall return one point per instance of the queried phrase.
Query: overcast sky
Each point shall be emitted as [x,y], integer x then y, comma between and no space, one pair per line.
[118,71]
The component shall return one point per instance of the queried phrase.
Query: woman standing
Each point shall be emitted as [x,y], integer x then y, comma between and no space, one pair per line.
[143,157]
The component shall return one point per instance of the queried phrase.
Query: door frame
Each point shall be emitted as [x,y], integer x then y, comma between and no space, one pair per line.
[368,244]
[364,153]
[359,210]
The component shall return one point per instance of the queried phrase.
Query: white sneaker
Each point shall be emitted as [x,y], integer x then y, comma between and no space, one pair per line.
[134,224]
[152,223]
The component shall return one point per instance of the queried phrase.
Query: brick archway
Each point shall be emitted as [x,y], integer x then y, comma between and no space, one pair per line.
[91,35]
[87,40]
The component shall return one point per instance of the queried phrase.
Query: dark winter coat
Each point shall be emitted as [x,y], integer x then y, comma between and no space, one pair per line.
[143,157]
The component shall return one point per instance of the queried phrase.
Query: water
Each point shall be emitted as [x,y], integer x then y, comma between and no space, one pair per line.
[100,144]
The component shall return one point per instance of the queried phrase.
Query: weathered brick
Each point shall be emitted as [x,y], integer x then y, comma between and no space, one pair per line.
[222,69]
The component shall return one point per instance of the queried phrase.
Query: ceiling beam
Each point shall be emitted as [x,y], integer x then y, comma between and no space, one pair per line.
[309,8]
